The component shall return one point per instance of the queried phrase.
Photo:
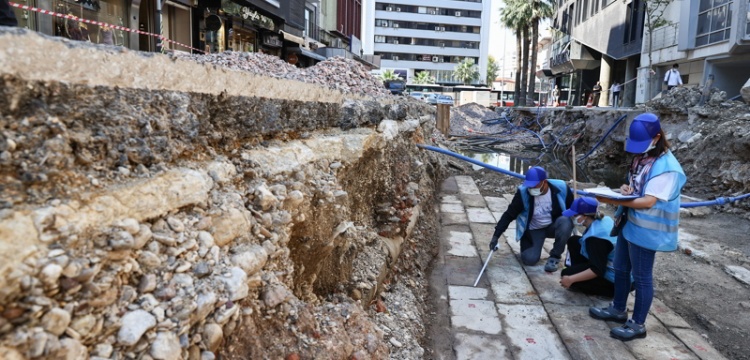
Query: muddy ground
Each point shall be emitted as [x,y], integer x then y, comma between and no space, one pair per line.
[698,288]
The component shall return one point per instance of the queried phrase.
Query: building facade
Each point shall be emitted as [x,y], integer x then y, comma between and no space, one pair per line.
[596,40]
[412,36]
[707,39]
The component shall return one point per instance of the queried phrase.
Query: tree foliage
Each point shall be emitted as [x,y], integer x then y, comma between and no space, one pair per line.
[466,71]
[492,69]
[423,77]
[388,75]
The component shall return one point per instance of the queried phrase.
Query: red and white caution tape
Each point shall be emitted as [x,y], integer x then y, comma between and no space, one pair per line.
[99,23]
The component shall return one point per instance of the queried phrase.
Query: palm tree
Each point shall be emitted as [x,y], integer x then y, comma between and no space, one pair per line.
[466,72]
[388,75]
[540,9]
[423,77]
[516,15]
[492,69]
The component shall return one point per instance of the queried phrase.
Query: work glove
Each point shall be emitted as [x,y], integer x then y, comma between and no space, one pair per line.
[493,244]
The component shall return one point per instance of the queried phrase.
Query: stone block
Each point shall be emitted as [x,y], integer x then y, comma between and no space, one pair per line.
[540,341]
[231,225]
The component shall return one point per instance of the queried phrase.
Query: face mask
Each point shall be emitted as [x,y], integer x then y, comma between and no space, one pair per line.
[579,220]
[535,191]
[650,147]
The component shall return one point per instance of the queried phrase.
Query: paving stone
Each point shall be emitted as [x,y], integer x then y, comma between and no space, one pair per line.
[698,344]
[482,234]
[480,347]
[449,186]
[508,197]
[584,336]
[668,317]
[477,315]
[659,344]
[466,185]
[461,244]
[462,271]
[471,200]
[450,199]
[451,208]
[550,291]
[453,219]
[539,341]
[496,204]
[510,284]
[480,215]
[497,216]
[467,293]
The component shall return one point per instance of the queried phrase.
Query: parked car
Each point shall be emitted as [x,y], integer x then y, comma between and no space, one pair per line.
[417,95]
[431,99]
[445,99]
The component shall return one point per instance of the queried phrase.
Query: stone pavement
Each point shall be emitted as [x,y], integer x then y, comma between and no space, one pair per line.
[522,312]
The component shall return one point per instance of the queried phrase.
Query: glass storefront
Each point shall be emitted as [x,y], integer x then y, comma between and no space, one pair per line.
[243,40]
[106,11]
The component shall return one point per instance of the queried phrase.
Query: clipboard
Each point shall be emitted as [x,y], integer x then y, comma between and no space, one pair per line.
[608,193]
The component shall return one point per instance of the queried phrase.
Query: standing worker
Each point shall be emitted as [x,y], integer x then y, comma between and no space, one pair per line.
[644,225]
[588,268]
[537,208]
[7,17]
[615,90]
[597,93]
[673,77]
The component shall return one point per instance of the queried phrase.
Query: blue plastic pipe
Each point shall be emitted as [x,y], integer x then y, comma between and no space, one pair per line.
[603,137]
[718,201]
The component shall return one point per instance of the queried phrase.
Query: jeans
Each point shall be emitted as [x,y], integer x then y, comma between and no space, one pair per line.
[616,99]
[640,261]
[533,240]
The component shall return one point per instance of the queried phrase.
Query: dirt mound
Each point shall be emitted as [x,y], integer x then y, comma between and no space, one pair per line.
[468,118]
[680,99]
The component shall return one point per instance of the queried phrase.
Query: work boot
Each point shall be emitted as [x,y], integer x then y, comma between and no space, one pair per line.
[551,265]
[629,331]
[608,314]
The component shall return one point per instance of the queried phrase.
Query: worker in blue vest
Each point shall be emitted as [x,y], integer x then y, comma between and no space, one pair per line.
[537,209]
[588,266]
[644,225]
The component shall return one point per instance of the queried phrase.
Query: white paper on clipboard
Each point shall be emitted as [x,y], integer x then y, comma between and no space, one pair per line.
[608,193]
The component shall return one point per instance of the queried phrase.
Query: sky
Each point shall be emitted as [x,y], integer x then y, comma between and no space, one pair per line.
[502,40]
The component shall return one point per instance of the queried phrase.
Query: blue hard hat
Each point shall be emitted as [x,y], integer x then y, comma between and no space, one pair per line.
[582,206]
[535,175]
[643,130]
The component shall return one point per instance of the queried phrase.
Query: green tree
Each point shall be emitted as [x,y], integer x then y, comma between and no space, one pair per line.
[388,75]
[516,15]
[466,71]
[423,77]
[654,19]
[492,69]
[540,10]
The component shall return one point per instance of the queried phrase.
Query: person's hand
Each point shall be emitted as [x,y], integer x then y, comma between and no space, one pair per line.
[566,281]
[626,190]
[493,244]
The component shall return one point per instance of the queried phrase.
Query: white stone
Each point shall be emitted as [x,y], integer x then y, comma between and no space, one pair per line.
[72,349]
[461,244]
[738,272]
[294,198]
[496,204]
[84,324]
[236,284]
[477,315]
[143,236]
[540,341]
[134,325]
[103,350]
[166,346]
[56,321]
[275,295]
[121,240]
[264,197]
[467,293]
[479,347]
[230,226]
[451,208]
[175,224]
[50,274]
[251,260]
[206,239]
[205,302]
[389,128]
[212,336]
[480,215]
[129,224]
[745,91]
[221,172]
[466,185]
[207,355]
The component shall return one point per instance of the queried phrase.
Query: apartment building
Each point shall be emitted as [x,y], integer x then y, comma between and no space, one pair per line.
[706,38]
[412,36]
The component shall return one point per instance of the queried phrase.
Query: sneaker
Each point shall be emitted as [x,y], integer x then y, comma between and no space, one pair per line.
[628,331]
[609,314]
[551,265]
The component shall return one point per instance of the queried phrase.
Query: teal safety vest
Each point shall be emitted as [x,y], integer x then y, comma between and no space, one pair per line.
[656,228]
[601,229]
[522,220]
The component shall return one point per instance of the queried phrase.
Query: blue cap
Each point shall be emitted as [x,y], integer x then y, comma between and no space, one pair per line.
[582,206]
[534,176]
[643,130]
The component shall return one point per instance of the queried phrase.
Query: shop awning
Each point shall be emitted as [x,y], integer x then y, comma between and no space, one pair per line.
[312,55]
[292,38]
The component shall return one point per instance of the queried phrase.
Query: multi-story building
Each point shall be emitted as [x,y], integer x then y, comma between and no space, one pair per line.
[340,31]
[412,36]
[705,38]
[596,40]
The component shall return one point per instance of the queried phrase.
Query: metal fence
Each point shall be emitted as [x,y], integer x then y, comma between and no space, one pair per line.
[663,37]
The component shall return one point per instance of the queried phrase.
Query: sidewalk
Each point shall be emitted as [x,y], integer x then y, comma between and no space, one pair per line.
[522,312]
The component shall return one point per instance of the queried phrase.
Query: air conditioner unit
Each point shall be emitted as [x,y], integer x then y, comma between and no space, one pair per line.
[395,25]
[395,42]
[398,9]
[385,24]
[441,59]
[435,58]
[442,28]
[433,12]
[395,58]
[437,28]
[458,13]
[389,8]
[442,44]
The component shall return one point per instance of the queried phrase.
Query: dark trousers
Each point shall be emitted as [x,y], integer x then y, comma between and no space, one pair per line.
[616,99]
[597,95]
[533,240]
[579,263]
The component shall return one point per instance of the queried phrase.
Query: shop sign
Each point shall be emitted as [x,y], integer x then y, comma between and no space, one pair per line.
[256,18]
[272,40]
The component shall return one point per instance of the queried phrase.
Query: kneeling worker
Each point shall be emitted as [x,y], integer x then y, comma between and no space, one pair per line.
[537,208]
[589,263]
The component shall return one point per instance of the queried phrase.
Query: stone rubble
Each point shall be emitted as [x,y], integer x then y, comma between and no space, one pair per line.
[338,73]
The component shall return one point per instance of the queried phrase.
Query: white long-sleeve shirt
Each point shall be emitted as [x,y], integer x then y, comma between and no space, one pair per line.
[673,77]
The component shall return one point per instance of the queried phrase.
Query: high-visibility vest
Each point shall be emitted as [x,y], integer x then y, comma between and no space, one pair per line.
[522,221]
[601,229]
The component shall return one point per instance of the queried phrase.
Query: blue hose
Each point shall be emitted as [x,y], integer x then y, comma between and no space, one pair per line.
[603,137]
[718,201]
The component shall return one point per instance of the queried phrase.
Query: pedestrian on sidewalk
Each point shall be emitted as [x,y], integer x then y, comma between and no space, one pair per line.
[588,267]
[644,225]
[615,90]
[673,78]
[597,93]
[537,208]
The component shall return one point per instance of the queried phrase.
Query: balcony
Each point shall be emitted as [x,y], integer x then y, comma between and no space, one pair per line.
[427,18]
[427,34]
[422,49]
[664,37]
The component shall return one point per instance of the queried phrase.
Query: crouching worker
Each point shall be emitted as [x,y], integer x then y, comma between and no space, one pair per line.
[588,268]
[537,208]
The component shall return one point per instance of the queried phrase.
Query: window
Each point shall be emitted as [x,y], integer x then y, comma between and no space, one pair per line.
[747,25]
[714,21]
[584,11]
[379,38]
